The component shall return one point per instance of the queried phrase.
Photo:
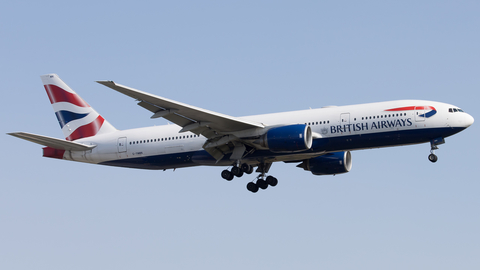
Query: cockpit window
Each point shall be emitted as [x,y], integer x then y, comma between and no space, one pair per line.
[454,110]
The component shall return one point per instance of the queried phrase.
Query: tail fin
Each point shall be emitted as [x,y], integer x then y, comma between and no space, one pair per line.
[76,118]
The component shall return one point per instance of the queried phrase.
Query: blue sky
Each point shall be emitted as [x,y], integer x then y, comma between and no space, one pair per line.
[394,210]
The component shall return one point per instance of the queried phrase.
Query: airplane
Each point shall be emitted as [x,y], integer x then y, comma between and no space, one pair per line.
[317,140]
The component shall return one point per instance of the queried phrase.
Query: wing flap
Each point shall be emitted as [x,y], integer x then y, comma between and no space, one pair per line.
[52,142]
[150,107]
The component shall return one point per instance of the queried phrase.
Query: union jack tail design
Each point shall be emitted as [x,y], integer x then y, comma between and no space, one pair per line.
[76,118]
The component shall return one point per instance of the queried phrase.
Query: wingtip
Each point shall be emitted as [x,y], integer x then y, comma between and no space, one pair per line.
[105,82]
[13,133]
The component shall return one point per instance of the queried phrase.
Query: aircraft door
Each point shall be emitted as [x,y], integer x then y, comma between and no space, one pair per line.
[345,118]
[122,144]
[419,113]
[345,122]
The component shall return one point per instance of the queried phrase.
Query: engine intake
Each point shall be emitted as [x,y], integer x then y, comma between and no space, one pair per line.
[329,164]
[287,139]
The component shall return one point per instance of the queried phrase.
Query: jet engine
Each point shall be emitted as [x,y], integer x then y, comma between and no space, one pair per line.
[329,164]
[287,139]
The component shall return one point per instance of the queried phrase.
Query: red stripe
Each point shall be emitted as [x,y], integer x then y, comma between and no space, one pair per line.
[401,109]
[87,130]
[411,108]
[53,153]
[57,94]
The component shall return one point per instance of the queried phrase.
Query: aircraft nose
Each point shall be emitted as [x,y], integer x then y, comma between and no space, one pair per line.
[468,119]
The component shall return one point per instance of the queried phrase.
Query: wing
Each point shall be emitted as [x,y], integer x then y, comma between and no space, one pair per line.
[200,121]
[52,142]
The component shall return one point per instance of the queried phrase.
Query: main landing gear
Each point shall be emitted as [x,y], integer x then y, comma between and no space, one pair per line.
[433,146]
[237,171]
[262,182]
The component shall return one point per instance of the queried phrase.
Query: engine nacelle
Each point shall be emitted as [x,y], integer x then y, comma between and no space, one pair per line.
[328,164]
[287,139]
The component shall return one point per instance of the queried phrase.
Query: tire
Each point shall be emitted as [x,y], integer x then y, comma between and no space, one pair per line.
[272,181]
[433,158]
[252,187]
[262,184]
[237,171]
[246,168]
[227,175]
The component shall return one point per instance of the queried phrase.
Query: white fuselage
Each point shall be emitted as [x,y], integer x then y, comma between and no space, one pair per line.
[335,129]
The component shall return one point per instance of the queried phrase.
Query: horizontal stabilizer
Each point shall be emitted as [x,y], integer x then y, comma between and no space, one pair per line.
[52,142]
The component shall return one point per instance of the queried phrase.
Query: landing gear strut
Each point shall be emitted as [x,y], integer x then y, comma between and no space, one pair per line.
[433,146]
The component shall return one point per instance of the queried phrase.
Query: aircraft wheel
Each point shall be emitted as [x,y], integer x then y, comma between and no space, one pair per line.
[237,171]
[252,187]
[272,181]
[227,175]
[433,158]
[247,168]
[262,184]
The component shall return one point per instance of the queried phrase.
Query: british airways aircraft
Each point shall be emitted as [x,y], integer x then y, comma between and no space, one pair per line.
[318,140]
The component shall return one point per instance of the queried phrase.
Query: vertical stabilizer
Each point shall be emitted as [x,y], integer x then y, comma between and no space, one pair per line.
[76,118]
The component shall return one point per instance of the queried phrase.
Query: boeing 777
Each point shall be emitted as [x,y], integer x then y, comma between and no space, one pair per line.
[318,140]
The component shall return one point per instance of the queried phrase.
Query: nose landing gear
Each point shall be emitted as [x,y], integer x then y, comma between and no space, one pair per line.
[433,146]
